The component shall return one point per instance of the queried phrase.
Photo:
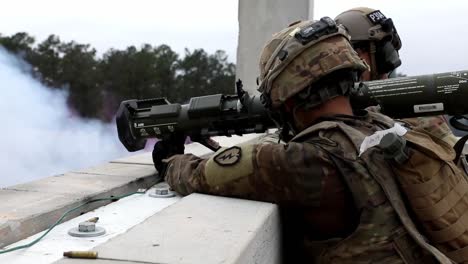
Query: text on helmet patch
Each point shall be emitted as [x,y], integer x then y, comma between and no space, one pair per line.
[376,16]
[229,156]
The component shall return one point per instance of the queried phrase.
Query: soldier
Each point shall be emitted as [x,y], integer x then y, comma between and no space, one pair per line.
[376,40]
[347,199]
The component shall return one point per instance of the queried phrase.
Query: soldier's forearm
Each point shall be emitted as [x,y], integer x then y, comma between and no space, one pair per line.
[185,174]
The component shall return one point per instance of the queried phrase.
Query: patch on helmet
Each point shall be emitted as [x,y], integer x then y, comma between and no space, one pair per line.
[229,156]
[376,16]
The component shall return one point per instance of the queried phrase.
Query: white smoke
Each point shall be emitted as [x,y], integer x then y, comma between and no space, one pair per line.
[39,137]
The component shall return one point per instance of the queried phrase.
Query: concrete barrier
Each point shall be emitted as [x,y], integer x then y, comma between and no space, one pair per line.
[27,209]
[199,229]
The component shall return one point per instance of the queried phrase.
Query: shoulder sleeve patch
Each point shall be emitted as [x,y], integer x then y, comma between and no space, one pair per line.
[230,167]
[228,157]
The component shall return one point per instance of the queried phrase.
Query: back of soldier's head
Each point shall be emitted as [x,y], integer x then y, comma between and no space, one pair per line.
[302,55]
[367,27]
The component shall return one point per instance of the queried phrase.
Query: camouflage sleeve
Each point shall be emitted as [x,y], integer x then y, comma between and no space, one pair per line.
[184,174]
[290,173]
[270,138]
[436,125]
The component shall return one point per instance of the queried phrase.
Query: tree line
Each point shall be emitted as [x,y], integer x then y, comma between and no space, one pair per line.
[96,86]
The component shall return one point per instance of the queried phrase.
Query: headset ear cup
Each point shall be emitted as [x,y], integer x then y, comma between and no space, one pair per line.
[387,57]
[396,41]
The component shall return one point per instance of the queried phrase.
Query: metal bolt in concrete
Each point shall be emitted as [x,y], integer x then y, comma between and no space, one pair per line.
[87,227]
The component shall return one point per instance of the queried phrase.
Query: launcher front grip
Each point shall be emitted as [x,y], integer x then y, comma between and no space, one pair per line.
[202,118]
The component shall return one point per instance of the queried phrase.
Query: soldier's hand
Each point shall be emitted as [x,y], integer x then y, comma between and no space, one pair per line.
[166,148]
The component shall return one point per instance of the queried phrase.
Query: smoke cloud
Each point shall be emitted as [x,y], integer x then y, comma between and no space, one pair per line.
[39,136]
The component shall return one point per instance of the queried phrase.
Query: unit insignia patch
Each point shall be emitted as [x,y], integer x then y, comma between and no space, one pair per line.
[229,156]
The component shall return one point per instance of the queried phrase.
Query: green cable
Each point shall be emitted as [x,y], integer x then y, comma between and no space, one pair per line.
[65,214]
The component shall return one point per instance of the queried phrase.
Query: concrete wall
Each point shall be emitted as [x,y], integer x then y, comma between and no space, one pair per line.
[258,20]
[29,208]
[199,229]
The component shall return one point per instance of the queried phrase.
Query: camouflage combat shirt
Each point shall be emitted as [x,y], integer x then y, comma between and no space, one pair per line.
[302,175]
[296,174]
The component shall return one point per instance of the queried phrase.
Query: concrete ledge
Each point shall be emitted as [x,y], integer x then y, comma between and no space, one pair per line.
[199,229]
[27,209]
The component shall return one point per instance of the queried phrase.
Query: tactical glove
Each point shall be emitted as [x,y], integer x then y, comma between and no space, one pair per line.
[166,148]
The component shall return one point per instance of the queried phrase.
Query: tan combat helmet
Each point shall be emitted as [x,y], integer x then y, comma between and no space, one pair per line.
[301,55]
[364,24]
[371,28]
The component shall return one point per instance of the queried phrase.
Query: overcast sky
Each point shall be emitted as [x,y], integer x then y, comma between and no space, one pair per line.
[433,31]
[207,24]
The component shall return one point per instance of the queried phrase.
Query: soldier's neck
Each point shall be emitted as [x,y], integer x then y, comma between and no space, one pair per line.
[337,105]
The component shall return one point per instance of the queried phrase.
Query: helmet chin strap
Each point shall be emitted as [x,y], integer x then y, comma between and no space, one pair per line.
[288,125]
[373,62]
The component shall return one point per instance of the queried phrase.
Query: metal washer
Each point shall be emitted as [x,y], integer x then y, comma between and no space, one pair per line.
[97,232]
[158,195]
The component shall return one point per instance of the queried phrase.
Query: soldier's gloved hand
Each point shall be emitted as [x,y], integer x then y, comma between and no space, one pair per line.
[166,148]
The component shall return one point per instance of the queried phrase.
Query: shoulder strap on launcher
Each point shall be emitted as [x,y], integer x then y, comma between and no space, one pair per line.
[459,148]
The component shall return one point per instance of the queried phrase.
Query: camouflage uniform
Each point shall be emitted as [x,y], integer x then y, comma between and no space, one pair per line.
[351,205]
[309,173]
[436,125]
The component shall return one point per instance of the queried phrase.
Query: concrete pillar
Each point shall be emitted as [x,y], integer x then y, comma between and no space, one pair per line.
[258,20]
